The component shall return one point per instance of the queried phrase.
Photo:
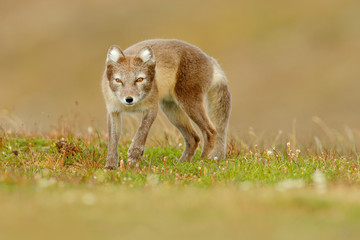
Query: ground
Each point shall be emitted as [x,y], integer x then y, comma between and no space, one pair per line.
[55,187]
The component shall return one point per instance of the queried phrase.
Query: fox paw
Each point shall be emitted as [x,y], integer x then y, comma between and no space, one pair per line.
[111,166]
[112,163]
[134,155]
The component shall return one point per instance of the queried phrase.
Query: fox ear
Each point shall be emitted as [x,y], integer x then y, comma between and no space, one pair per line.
[114,54]
[146,54]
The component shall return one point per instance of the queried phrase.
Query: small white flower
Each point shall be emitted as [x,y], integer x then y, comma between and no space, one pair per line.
[269,152]
[215,158]
[288,144]
[90,130]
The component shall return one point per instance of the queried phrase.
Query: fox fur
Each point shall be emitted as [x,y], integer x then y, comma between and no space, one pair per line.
[186,83]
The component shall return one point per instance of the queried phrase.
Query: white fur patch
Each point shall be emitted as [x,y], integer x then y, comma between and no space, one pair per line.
[141,75]
[114,55]
[145,55]
[218,75]
[112,103]
[116,75]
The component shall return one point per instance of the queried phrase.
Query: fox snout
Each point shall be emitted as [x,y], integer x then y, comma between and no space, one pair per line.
[129,100]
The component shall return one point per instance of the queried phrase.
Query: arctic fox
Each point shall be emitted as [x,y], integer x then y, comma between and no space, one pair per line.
[181,79]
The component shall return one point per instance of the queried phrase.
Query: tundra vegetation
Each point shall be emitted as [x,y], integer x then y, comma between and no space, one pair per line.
[286,188]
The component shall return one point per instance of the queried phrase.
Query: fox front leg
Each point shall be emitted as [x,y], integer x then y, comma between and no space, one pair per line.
[136,149]
[114,131]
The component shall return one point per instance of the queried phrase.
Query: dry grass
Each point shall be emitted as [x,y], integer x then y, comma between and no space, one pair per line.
[264,188]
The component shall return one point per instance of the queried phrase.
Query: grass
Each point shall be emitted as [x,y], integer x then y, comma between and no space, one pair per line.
[80,161]
[58,185]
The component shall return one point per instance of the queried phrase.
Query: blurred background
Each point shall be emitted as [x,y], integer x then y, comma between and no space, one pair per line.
[287,61]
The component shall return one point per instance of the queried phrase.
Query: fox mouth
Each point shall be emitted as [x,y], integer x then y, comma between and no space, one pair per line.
[129,104]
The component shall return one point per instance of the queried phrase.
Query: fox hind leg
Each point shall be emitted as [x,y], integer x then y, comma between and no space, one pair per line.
[219,106]
[179,118]
[197,112]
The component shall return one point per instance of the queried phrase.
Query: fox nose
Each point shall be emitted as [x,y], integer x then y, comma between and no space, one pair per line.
[129,99]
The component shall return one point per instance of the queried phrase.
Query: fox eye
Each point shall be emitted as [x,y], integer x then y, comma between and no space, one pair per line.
[140,79]
[118,80]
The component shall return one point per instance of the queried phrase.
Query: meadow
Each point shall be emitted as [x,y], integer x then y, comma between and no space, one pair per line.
[57,184]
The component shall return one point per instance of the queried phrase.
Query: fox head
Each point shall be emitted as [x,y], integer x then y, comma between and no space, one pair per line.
[130,77]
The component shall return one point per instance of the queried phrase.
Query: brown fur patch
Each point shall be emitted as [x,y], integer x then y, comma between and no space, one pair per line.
[109,71]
